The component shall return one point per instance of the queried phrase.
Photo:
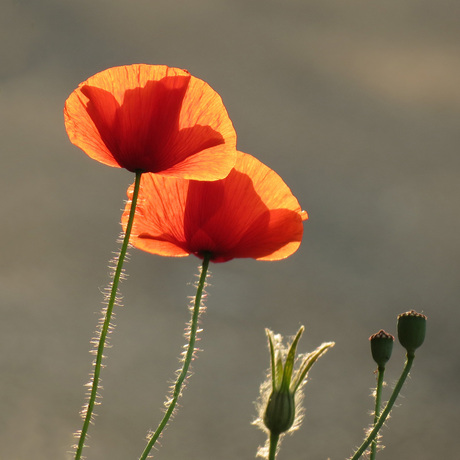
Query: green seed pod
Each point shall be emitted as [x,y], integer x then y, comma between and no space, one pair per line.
[280,412]
[381,347]
[411,330]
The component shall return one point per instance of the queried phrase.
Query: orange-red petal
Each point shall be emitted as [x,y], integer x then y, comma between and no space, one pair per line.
[152,118]
[251,213]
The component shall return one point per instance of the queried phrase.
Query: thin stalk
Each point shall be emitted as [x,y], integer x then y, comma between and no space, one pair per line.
[105,326]
[388,407]
[378,402]
[187,359]
[274,438]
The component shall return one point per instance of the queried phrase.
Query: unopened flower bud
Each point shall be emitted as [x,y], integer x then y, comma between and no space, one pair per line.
[280,413]
[411,330]
[381,347]
[279,405]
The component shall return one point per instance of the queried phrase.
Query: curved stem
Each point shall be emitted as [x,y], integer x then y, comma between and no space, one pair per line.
[105,326]
[274,438]
[388,407]
[187,359]
[378,402]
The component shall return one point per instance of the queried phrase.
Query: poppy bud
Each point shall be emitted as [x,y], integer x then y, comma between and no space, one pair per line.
[381,347]
[411,330]
[279,405]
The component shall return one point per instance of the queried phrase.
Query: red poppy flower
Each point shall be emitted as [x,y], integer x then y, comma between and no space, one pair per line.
[152,118]
[250,213]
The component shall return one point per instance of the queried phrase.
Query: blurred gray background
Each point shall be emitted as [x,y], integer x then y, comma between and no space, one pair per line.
[356,104]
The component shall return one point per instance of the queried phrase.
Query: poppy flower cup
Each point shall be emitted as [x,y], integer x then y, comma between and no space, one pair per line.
[251,213]
[152,118]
